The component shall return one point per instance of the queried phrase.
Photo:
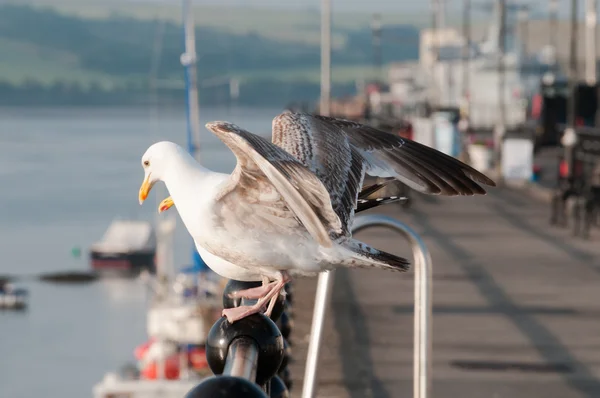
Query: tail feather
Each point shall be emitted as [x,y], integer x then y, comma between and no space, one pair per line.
[365,256]
[371,189]
[366,204]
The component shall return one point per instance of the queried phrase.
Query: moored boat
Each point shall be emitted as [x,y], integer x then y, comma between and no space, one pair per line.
[12,298]
[127,247]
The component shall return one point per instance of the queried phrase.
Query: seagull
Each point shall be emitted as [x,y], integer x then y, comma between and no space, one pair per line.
[288,206]
[231,271]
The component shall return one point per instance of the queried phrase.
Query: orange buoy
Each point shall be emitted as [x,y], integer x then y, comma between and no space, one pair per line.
[197,358]
[141,350]
[150,372]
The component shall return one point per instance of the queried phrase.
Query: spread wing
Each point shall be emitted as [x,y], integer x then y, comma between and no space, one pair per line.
[326,150]
[340,152]
[422,168]
[277,185]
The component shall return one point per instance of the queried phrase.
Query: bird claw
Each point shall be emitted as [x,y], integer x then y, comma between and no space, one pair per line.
[237,313]
[268,293]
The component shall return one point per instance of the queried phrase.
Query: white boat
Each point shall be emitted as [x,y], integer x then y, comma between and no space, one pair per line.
[172,361]
[182,311]
[114,387]
[127,247]
[12,298]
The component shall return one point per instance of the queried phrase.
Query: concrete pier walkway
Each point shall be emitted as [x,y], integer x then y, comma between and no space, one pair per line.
[516,307]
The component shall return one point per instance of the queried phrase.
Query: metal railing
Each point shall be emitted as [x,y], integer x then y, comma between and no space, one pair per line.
[422,307]
[242,359]
[246,356]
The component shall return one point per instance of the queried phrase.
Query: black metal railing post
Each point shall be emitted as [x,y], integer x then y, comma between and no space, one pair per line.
[246,356]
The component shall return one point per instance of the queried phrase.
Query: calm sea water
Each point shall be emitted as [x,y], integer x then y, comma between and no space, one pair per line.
[64,175]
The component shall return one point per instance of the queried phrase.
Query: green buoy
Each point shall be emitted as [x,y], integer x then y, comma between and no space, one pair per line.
[76,252]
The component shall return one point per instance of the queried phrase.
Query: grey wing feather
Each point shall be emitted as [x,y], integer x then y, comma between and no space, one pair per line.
[260,162]
[326,150]
[420,167]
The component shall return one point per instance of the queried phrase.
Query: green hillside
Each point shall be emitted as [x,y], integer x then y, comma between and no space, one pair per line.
[288,25]
[60,55]
[22,61]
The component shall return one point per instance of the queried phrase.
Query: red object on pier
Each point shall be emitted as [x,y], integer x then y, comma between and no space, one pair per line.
[141,350]
[196,357]
[536,106]
[406,131]
[150,372]
[564,169]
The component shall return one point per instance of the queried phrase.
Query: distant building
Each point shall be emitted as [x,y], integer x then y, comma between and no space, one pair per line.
[536,39]
[431,40]
[438,77]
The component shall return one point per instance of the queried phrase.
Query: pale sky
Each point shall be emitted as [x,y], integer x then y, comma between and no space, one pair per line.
[410,7]
[370,5]
[454,7]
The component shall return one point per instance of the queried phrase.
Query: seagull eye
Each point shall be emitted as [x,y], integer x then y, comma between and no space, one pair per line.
[146,163]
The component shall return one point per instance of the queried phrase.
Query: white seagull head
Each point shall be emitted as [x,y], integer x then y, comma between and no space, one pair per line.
[156,162]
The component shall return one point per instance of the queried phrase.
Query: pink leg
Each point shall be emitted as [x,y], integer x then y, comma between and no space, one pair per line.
[254,292]
[269,310]
[235,314]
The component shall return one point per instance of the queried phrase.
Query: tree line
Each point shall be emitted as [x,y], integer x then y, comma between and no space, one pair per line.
[123,47]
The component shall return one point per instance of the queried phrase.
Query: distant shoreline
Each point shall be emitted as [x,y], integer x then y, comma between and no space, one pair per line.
[265,93]
[51,58]
[135,111]
[137,105]
[6,109]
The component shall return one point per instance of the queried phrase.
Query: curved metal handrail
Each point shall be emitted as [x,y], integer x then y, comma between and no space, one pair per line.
[422,317]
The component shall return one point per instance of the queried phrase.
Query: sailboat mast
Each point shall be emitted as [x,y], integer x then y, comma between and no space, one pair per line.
[165,223]
[188,60]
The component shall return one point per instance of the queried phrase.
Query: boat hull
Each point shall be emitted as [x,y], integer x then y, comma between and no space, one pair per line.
[122,263]
[13,300]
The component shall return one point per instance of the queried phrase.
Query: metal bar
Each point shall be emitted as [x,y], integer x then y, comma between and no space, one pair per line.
[590,42]
[553,22]
[466,54]
[573,77]
[423,304]
[572,99]
[325,106]
[446,82]
[501,128]
[242,357]
[436,91]
[523,15]
[316,334]
[189,59]
[377,47]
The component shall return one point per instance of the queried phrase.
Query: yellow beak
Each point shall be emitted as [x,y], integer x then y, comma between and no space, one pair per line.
[145,189]
[165,204]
